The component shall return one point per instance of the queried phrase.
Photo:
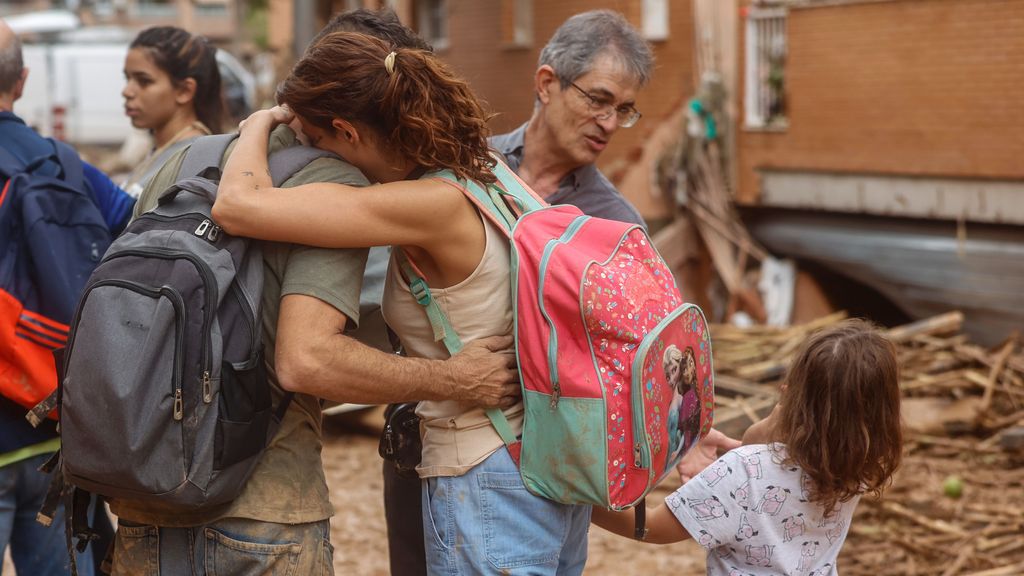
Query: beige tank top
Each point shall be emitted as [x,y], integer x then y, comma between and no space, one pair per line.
[456,437]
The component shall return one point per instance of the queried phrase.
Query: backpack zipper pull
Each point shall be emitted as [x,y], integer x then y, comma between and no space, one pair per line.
[556,393]
[637,460]
[202,228]
[214,233]
[179,410]
[207,388]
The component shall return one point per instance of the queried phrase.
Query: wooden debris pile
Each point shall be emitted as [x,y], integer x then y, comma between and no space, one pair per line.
[956,506]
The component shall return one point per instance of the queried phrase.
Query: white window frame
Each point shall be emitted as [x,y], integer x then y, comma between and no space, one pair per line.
[654,19]
[766,38]
[522,23]
[429,13]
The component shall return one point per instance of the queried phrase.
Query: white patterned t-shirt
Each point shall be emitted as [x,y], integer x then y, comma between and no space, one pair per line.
[753,516]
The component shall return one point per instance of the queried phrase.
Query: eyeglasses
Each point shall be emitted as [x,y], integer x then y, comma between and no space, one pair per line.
[626,115]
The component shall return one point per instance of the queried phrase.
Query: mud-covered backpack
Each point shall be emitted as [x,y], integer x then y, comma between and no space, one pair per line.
[615,367]
[52,235]
[165,396]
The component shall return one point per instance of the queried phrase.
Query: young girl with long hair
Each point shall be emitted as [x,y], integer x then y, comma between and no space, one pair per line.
[397,115]
[172,89]
[782,502]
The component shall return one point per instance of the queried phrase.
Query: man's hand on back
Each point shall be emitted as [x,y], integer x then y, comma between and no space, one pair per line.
[484,373]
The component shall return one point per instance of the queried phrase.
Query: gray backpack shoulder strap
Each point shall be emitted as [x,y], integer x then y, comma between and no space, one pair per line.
[205,153]
[285,163]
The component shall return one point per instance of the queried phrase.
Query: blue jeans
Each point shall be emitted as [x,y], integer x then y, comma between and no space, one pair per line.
[35,549]
[227,547]
[486,522]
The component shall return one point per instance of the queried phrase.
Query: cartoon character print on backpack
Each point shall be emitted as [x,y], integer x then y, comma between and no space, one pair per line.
[684,411]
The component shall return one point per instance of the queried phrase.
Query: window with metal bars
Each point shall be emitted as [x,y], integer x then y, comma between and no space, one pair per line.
[765,102]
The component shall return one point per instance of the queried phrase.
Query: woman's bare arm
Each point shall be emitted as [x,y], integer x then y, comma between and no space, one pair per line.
[408,213]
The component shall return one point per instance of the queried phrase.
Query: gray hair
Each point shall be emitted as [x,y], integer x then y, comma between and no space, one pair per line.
[583,37]
[11,64]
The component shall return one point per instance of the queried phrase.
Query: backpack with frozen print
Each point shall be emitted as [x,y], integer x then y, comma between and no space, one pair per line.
[615,368]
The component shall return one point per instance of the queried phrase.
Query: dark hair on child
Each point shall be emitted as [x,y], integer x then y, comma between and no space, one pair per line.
[840,412]
[183,55]
[420,109]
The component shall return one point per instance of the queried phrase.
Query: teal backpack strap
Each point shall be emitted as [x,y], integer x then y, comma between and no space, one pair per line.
[514,190]
[443,332]
[497,200]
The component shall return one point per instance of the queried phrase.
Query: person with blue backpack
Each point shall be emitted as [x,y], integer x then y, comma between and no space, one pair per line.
[42,179]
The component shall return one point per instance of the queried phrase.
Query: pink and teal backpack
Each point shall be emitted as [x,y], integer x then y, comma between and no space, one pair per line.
[616,369]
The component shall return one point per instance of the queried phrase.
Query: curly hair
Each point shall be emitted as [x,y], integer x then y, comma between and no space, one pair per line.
[839,412]
[422,110]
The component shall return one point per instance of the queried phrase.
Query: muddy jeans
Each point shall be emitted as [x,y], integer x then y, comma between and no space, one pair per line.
[228,547]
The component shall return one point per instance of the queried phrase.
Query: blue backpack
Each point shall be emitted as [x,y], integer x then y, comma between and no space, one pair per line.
[52,235]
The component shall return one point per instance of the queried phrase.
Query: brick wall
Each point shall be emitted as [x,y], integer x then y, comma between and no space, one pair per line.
[906,87]
[502,74]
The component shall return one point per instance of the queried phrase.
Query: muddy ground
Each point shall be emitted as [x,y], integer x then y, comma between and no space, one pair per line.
[880,544]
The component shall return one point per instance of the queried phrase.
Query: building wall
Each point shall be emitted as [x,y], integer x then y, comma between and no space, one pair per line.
[480,49]
[916,88]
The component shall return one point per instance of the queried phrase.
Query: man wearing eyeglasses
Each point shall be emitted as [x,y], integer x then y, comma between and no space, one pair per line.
[586,84]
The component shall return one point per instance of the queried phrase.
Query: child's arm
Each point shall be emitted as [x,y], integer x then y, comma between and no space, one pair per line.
[662,526]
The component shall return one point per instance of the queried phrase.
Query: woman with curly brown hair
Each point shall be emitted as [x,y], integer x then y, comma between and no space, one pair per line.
[782,502]
[398,116]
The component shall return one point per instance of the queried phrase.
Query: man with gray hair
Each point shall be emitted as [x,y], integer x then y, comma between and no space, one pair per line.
[586,84]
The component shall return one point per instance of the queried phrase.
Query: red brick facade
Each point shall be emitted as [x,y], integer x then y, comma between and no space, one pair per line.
[900,87]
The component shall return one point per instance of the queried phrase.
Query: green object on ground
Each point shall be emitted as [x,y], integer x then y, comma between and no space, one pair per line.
[953,486]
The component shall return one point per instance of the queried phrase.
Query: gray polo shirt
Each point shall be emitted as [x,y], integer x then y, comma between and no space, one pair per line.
[585,187]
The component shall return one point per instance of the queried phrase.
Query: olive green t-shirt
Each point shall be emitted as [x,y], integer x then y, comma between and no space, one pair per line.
[287,485]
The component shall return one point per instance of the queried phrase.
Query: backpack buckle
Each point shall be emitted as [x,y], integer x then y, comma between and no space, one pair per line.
[420,291]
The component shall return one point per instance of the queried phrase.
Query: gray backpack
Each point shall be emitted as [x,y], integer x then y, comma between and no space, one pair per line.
[165,396]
